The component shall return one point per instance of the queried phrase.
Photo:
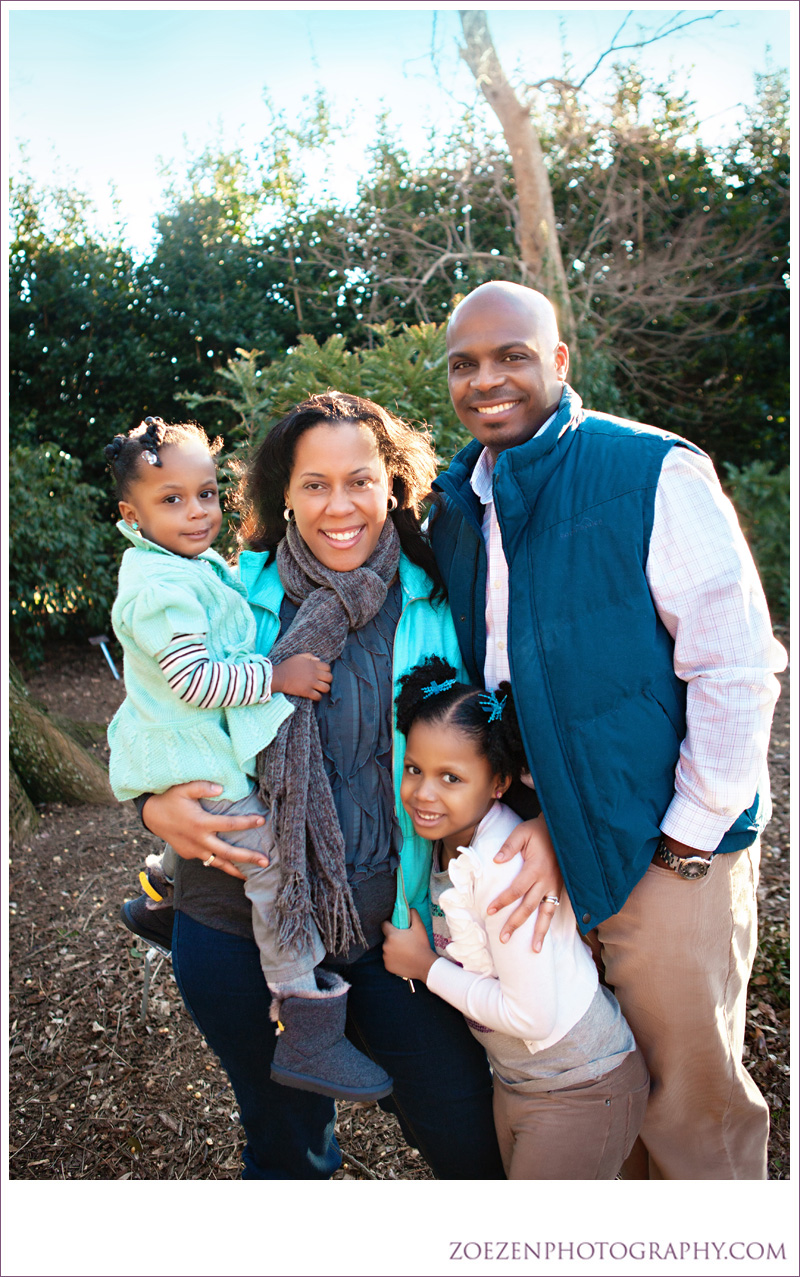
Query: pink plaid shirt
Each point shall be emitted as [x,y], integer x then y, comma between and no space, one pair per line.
[707,592]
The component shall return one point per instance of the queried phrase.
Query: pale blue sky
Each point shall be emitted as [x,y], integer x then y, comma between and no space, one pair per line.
[99,93]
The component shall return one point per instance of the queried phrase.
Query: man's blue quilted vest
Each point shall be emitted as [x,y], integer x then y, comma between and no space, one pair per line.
[601,710]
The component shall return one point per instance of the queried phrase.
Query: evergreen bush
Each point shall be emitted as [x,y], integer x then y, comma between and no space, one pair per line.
[62,555]
[404,370]
[761,497]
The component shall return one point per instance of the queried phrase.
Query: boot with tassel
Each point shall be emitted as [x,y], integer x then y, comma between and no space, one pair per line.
[312,1052]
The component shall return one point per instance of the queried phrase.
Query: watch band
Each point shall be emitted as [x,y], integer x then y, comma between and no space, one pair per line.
[684,866]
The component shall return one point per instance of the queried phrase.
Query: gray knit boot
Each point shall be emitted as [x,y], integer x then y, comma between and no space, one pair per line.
[312,1052]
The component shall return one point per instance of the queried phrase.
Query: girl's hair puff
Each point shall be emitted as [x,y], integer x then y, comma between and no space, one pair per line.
[125,452]
[495,736]
[406,452]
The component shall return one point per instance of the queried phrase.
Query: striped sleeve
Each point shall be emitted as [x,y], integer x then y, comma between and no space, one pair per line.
[198,680]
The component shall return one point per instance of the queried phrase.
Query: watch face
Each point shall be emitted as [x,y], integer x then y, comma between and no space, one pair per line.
[685,867]
[691,868]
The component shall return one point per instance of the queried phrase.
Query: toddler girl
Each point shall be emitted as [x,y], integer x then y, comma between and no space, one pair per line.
[570,1085]
[199,702]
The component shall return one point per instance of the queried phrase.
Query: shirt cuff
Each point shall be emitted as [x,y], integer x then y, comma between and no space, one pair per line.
[695,826]
[139,802]
[439,983]
[266,695]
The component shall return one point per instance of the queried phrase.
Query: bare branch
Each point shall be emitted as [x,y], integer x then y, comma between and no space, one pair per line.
[664,31]
[661,34]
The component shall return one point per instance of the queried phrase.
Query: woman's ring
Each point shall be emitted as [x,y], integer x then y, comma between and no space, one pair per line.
[550,900]
[208,863]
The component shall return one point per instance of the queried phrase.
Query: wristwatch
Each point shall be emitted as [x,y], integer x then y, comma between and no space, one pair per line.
[683,866]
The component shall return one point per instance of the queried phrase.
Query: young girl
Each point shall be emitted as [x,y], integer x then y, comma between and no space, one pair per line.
[570,1085]
[199,702]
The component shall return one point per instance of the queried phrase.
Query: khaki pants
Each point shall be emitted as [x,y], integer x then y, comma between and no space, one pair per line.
[678,956]
[580,1132]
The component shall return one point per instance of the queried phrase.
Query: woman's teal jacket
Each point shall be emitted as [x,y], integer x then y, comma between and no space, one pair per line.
[424,629]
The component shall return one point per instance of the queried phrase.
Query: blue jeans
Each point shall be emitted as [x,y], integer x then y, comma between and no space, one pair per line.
[442,1085]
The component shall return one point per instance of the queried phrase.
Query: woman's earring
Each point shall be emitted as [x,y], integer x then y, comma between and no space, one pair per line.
[287,514]
[135,527]
[392,503]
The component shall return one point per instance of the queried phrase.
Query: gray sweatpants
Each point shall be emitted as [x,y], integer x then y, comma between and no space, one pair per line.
[280,966]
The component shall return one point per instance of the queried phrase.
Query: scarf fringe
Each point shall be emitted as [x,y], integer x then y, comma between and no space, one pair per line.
[295,921]
[338,921]
[333,912]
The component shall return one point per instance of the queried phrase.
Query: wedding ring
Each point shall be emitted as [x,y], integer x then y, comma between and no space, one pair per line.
[551,900]
[208,863]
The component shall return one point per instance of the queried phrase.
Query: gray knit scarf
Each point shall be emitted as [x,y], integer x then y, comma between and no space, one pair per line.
[292,778]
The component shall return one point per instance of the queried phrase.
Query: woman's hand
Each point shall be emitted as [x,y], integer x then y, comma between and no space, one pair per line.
[539,876]
[408,952]
[177,817]
[302,675]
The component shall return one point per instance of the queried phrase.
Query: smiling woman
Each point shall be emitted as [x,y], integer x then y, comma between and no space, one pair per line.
[336,565]
[339,494]
[338,464]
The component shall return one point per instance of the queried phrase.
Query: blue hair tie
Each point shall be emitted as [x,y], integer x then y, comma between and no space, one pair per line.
[433,689]
[492,705]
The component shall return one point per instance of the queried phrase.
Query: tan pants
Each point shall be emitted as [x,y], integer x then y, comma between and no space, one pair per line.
[580,1132]
[678,956]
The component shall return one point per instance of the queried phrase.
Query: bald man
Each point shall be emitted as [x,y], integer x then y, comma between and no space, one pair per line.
[597,563]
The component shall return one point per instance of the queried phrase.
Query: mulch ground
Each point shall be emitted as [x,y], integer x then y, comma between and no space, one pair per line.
[95,1092]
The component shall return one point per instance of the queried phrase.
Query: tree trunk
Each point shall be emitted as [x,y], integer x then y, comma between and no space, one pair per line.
[536,223]
[49,765]
[22,818]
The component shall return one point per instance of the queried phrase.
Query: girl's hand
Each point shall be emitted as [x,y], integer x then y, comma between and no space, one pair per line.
[177,817]
[539,876]
[408,953]
[302,675]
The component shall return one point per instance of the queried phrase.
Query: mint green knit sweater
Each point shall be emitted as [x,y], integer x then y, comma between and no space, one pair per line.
[156,739]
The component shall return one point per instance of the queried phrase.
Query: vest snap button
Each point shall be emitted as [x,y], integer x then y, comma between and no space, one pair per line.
[586,917]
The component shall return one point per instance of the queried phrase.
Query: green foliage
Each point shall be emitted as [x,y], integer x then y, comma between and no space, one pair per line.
[422,234]
[209,286]
[248,397]
[754,357]
[310,369]
[79,354]
[405,371]
[62,567]
[675,255]
[761,497]
[596,380]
